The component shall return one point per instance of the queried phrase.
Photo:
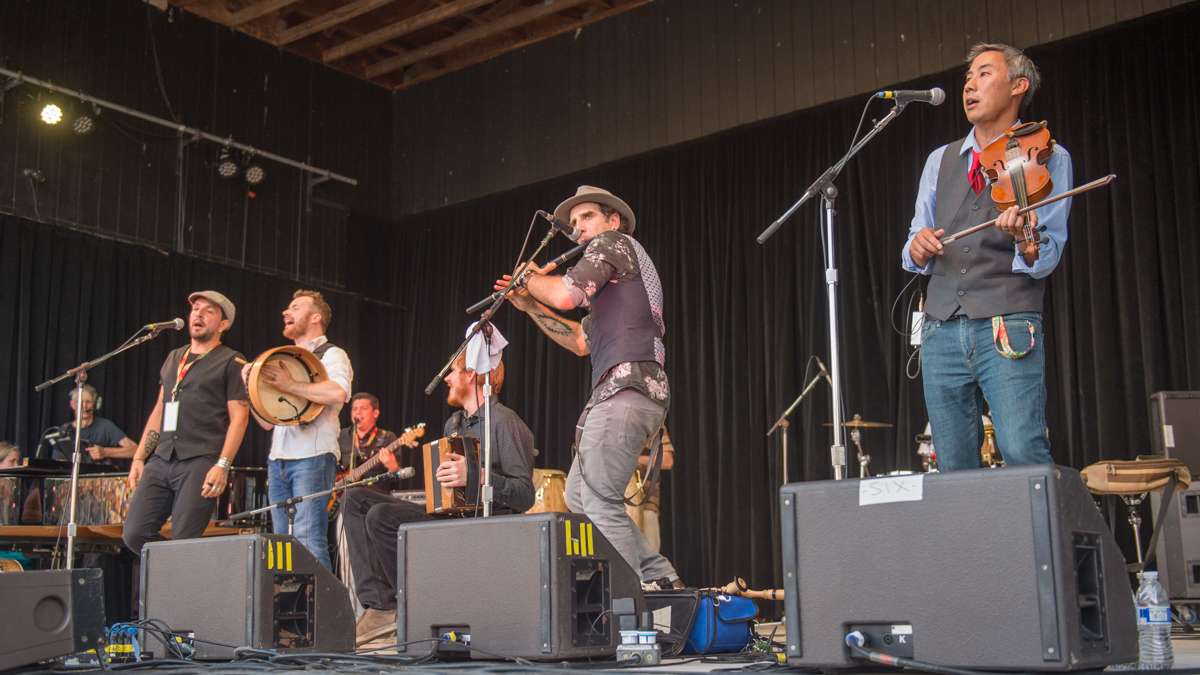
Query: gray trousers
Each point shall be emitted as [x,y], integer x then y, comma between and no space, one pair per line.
[609,440]
[169,488]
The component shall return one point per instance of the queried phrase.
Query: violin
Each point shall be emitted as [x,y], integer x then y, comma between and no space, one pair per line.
[1016,166]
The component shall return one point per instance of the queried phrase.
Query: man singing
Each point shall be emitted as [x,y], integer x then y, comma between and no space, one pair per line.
[617,282]
[193,433]
[304,457]
[983,336]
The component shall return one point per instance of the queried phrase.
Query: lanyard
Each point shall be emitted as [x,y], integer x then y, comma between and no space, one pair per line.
[183,370]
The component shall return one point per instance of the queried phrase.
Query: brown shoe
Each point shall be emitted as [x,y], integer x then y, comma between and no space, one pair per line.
[374,624]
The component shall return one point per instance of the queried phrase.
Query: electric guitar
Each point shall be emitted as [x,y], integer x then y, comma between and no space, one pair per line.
[408,439]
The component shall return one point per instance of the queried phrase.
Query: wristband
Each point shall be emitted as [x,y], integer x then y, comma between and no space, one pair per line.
[225,463]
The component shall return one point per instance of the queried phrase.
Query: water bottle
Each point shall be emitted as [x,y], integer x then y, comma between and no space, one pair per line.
[1154,624]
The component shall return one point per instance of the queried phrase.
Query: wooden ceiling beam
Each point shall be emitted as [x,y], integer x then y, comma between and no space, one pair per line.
[539,36]
[463,38]
[401,28]
[257,11]
[328,20]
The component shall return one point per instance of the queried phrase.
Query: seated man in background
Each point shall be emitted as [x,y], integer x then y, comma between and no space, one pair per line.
[101,441]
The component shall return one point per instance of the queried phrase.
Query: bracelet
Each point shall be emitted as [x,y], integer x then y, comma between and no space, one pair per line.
[225,463]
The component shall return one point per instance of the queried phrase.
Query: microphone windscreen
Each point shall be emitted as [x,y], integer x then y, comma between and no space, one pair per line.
[937,96]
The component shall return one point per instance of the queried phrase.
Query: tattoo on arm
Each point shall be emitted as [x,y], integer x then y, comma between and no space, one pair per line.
[151,441]
[552,324]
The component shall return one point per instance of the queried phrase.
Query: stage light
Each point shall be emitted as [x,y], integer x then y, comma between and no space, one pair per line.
[83,124]
[226,166]
[51,114]
[254,174]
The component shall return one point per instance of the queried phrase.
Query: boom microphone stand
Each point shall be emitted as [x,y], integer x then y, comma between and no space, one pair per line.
[824,187]
[80,373]
[782,423]
[289,505]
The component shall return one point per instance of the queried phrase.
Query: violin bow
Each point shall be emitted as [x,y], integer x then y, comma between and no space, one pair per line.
[1099,182]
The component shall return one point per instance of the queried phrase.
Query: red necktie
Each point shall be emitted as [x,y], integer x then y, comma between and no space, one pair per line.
[975,173]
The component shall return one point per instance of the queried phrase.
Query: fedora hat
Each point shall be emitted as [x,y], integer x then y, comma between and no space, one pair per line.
[587,193]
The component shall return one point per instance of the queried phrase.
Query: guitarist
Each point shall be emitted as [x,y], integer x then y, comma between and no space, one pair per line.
[361,441]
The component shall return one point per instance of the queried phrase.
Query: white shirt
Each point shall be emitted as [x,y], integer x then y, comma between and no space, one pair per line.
[319,436]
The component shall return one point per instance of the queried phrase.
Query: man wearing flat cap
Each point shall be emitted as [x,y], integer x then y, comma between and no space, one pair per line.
[623,334]
[182,464]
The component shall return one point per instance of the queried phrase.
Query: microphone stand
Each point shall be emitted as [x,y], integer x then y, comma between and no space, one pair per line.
[782,423]
[824,187]
[80,373]
[289,505]
[485,321]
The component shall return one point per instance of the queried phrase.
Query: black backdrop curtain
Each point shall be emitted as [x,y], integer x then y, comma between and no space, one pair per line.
[1122,319]
[1123,315]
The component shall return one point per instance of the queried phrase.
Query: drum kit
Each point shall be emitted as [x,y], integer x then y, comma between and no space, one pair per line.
[989,452]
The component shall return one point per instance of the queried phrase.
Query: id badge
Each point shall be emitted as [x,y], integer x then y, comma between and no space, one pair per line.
[170,415]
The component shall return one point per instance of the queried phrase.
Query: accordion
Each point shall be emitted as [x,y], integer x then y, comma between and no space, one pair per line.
[445,500]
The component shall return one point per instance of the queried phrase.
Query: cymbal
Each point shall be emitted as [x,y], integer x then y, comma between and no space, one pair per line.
[863,424]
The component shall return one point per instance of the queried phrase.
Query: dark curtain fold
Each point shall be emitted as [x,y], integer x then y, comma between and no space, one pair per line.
[1123,314]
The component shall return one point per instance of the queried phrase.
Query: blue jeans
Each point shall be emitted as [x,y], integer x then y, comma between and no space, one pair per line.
[962,367]
[294,477]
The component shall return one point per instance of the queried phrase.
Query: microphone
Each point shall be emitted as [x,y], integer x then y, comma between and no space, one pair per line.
[935,96]
[406,472]
[565,229]
[56,434]
[821,367]
[173,324]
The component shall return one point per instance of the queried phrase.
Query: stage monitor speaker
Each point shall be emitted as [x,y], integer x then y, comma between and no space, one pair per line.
[1175,432]
[50,614]
[261,591]
[545,586]
[1010,569]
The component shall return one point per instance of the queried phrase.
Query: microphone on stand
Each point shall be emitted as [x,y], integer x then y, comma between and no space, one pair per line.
[173,324]
[406,472]
[935,96]
[824,372]
[563,228]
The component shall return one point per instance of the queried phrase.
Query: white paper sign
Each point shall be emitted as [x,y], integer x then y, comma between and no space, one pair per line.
[170,415]
[891,489]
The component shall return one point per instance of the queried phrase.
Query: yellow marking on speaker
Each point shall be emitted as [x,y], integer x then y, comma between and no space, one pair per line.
[279,555]
[270,555]
[289,557]
[567,526]
[590,549]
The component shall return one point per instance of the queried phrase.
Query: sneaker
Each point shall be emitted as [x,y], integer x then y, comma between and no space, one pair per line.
[374,624]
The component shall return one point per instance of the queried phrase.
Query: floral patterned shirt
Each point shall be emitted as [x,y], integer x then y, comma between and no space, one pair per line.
[613,258]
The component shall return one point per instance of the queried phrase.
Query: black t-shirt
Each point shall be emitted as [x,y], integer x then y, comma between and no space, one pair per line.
[213,379]
[100,432]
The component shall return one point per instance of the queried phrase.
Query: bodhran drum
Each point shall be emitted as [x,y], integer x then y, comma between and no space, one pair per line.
[276,407]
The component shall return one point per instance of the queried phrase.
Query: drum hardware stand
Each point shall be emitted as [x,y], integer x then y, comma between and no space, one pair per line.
[1132,502]
[782,423]
[484,324]
[289,505]
[80,373]
[824,187]
[863,458]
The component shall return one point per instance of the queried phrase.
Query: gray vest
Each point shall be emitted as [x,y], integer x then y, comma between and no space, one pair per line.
[974,272]
[622,326]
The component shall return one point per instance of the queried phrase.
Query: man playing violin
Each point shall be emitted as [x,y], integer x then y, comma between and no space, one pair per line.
[982,336]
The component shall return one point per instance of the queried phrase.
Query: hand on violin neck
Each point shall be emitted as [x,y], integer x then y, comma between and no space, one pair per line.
[925,245]
[1015,225]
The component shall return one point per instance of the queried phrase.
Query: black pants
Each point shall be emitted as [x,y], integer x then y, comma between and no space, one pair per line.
[371,520]
[169,487]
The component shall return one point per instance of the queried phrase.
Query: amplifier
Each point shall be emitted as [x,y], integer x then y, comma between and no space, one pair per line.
[261,591]
[50,614]
[1008,568]
[1175,432]
[547,586]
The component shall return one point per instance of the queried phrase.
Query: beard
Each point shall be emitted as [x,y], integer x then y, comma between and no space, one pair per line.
[201,334]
